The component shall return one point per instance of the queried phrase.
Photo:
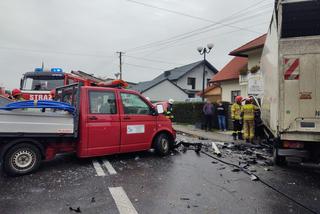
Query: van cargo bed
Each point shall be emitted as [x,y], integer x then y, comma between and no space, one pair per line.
[25,122]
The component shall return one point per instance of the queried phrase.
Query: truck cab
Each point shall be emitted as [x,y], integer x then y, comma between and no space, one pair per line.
[107,120]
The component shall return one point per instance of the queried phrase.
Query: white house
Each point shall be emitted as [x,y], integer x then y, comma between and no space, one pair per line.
[233,77]
[179,83]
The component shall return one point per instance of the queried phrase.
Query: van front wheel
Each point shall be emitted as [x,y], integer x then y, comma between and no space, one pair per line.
[162,144]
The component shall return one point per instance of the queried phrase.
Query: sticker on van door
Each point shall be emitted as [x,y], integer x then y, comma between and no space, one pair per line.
[291,68]
[135,129]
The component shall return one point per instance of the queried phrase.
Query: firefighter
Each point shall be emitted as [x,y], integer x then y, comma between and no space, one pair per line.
[248,111]
[169,111]
[17,95]
[236,118]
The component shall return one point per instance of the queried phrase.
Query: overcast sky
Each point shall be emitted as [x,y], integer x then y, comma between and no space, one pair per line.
[156,35]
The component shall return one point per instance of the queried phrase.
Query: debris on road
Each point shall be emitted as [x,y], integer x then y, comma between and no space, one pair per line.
[184,199]
[235,170]
[254,178]
[77,210]
[216,149]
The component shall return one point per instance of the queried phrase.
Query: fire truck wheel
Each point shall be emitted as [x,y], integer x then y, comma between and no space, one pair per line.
[278,160]
[162,144]
[22,159]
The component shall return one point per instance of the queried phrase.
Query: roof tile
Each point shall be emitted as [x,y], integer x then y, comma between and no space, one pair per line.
[253,44]
[231,71]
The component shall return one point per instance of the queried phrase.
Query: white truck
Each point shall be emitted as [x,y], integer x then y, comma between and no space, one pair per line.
[290,66]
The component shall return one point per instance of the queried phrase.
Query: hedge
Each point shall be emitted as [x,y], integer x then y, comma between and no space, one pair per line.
[191,113]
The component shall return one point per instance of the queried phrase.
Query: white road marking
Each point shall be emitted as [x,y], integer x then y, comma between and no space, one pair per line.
[98,168]
[122,201]
[109,167]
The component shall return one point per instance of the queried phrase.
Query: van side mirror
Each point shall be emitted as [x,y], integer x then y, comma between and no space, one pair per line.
[160,109]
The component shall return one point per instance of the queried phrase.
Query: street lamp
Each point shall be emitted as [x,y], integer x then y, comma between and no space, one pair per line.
[203,51]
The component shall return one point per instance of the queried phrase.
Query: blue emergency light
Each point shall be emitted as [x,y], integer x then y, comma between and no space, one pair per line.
[56,70]
[38,69]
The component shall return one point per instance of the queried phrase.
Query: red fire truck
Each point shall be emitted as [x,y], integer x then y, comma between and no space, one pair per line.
[107,120]
[38,84]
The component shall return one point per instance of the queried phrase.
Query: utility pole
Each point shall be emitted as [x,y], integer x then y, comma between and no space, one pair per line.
[120,65]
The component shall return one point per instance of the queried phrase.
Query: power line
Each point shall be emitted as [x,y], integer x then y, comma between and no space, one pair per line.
[187,43]
[142,66]
[152,60]
[188,15]
[198,30]
[188,35]
[55,52]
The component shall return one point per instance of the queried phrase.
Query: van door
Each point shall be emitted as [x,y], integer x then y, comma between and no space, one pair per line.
[137,123]
[103,123]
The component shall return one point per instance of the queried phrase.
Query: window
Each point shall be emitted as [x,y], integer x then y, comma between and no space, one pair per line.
[234,94]
[102,102]
[208,82]
[45,84]
[192,82]
[191,95]
[133,104]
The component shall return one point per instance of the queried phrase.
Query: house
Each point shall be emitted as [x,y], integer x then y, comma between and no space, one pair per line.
[241,76]
[179,83]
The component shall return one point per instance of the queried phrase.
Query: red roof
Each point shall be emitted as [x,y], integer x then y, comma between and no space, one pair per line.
[254,44]
[232,70]
[207,89]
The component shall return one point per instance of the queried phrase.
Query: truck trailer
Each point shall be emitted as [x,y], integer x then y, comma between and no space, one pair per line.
[103,121]
[290,66]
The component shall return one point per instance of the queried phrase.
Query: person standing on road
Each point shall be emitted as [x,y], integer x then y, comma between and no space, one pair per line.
[208,115]
[236,118]
[221,116]
[248,111]
[17,95]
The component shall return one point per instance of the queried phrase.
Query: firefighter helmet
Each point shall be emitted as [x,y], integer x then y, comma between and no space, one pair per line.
[171,101]
[16,92]
[238,99]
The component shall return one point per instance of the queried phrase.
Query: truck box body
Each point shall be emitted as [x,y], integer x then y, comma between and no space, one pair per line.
[36,122]
[291,72]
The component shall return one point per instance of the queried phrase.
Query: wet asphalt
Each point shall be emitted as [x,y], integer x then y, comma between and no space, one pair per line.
[178,183]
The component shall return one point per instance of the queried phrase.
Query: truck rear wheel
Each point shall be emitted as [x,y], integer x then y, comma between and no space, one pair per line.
[22,159]
[162,144]
[278,160]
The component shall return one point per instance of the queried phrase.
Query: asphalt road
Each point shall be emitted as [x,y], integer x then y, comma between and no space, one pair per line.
[145,183]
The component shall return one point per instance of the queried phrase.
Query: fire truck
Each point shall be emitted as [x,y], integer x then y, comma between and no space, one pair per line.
[88,120]
[38,84]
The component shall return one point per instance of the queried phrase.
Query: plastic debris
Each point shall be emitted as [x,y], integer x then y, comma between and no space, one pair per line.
[77,210]
[254,178]
[184,199]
